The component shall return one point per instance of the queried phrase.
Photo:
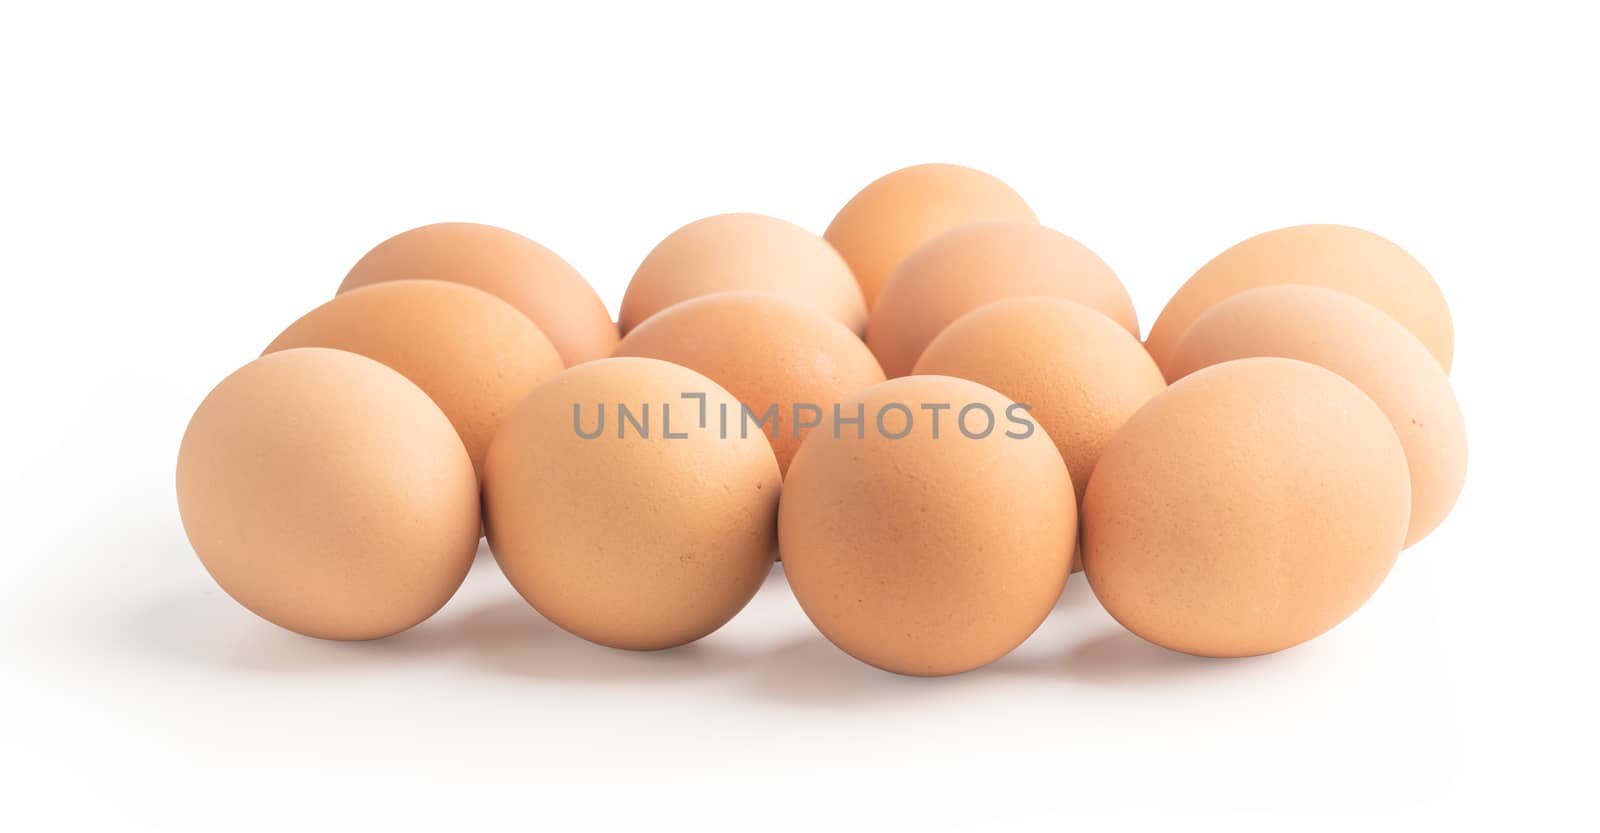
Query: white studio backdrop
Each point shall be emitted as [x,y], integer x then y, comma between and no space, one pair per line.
[177,183]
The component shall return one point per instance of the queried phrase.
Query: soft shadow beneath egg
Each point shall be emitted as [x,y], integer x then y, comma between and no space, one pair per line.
[207,630]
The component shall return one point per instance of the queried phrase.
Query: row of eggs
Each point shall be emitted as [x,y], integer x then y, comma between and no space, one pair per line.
[461,378]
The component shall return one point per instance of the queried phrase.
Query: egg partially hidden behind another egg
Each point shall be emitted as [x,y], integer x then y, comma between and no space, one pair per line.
[1359,342]
[933,535]
[1246,509]
[619,508]
[328,494]
[1081,374]
[1351,260]
[966,268]
[733,252]
[473,353]
[900,211]
[787,363]
[506,265]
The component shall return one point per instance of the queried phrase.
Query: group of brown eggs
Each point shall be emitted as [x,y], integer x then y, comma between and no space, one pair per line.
[944,392]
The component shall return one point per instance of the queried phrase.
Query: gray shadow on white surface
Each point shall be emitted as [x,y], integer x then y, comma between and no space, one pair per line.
[498,633]
[209,630]
[506,636]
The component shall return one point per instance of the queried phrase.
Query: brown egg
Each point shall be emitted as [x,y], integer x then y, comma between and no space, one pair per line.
[768,352]
[507,265]
[1246,509]
[731,252]
[328,495]
[650,534]
[924,539]
[900,211]
[1350,260]
[1359,342]
[1081,373]
[963,269]
[473,353]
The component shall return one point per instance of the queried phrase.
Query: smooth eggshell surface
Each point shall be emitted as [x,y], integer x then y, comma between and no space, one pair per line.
[328,494]
[767,352]
[732,252]
[651,534]
[934,553]
[1081,373]
[474,354]
[1348,259]
[978,264]
[900,211]
[1248,508]
[506,265]
[1359,342]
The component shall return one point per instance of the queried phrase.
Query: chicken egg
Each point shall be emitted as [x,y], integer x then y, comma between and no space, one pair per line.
[1081,374]
[474,354]
[732,252]
[329,495]
[506,265]
[976,264]
[1348,259]
[787,363]
[1359,342]
[1247,508]
[900,211]
[625,507]
[929,529]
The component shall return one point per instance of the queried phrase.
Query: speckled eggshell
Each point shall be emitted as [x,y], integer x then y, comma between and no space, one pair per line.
[732,252]
[637,542]
[1081,373]
[328,494]
[1248,508]
[506,265]
[767,352]
[473,353]
[927,555]
[900,211]
[1359,342]
[977,264]
[1351,260]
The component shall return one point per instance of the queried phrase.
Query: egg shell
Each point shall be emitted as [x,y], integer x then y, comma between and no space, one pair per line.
[732,252]
[475,355]
[1081,373]
[1351,260]
[767,352]
[1248,508]
[328,494]
[927,555]
[1359,342]
[900,211]
[506,265]
[968,267]
[632,541]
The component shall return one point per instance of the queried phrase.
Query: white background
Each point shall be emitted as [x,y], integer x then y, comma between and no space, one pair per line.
[177,184]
